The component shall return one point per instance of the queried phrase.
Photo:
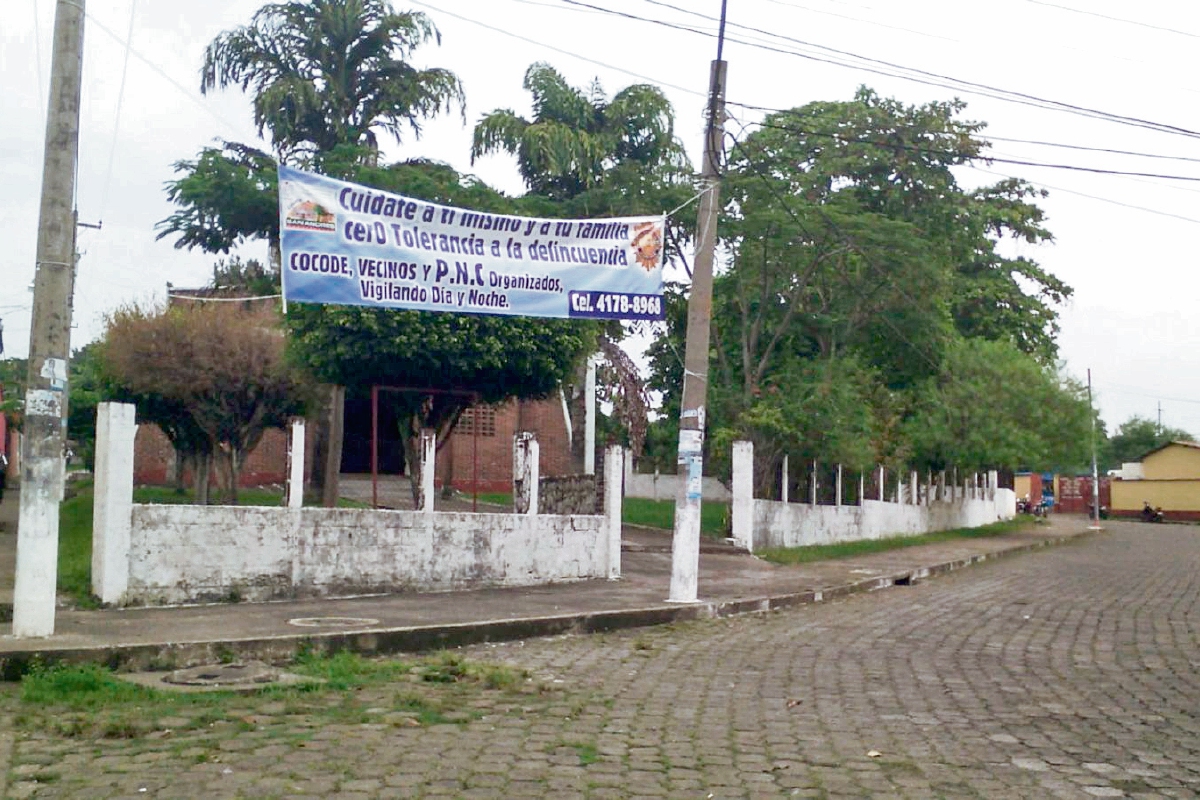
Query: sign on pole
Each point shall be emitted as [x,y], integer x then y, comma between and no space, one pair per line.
[352,245]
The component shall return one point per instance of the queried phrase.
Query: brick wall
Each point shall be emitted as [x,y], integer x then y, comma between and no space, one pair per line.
[154,458]
[491,452]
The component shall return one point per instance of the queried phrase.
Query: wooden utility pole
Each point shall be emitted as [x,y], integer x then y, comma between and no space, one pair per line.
[43,442]
[685,546]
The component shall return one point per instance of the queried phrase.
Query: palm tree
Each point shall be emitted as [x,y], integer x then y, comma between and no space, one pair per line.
[595,155]
[326,73]
[578,139]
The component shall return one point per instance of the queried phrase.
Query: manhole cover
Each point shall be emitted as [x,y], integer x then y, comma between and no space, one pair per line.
[245,677]
[250,673]
[333,622]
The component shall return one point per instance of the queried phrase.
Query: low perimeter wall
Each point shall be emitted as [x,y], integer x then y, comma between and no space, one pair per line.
[159,554]
[184,554]
[777,524]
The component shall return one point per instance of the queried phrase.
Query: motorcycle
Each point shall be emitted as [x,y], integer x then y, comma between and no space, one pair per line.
[1152,514]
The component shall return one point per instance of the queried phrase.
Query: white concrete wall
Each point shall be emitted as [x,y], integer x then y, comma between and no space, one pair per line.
[777,524]
[184,554]
[665,487]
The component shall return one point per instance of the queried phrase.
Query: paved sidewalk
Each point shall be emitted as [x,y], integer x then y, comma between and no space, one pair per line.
[729,583]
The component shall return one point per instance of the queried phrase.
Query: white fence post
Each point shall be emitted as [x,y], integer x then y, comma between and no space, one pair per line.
[812,489]
[838,486]
[295,484]
[614,461]
[913,495]
[428,467]
[525,473]
[862,487]
[111,523]
[882,477]
[783,491]
[742,510]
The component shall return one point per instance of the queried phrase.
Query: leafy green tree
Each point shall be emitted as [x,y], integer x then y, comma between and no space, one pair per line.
[222,363]
[1138,436]
[226,196]
[996,407]
[325,73]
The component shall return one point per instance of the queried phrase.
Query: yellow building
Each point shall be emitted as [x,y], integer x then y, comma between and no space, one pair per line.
[1170,480]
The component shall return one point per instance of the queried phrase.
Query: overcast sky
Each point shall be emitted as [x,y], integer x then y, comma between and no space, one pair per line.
[1126,244]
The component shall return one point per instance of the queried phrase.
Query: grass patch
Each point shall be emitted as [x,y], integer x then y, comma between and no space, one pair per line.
[494,498]
[75,548]
[824,552]
[90,702]
[661,514]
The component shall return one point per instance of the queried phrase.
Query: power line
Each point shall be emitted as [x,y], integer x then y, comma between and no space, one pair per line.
[1116,19]
[1093,197]
[560,50]
[931,78]
[1109,150]
[162,73]
[1018,162]
[112,153]
[865,21]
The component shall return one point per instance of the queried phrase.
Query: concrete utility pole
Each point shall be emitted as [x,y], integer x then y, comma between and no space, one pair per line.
[44,440]
[685,547]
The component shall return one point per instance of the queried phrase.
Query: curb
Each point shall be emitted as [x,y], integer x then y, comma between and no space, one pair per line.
[280,648]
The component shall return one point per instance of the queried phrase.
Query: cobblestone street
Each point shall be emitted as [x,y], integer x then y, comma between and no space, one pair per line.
[1070,672]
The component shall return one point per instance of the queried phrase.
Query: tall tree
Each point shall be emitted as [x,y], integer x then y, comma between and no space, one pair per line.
[593,155]
[579,140]
[325,73]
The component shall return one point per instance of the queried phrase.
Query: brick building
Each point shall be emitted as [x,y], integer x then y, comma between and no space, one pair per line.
[468,461]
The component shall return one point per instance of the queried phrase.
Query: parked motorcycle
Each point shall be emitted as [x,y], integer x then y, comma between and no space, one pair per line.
[1152,514]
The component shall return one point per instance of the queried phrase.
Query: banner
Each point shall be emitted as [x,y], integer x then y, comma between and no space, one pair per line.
[352,245]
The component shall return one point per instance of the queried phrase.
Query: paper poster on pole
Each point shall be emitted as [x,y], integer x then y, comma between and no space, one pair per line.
[352,245]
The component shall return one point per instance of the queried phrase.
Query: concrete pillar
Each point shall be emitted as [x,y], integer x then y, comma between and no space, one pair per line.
[812,486]
[614,461]
[993,483]
[428,468]
[900,488]
[838,486]
[882,476]
[742,508]
[862,487]
[589,417]
[525,473]
[912,494]
[783,478]
[295,485]
[113,503]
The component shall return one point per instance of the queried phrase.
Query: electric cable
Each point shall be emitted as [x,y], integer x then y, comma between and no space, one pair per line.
[112,153]
[1116,19]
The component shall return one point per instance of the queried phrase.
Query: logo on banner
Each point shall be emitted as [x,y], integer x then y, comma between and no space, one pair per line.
[306,215]
[647,245]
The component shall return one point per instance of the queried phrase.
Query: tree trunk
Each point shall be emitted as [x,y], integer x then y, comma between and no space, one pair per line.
[177,469]
[333,452]
[202,463]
